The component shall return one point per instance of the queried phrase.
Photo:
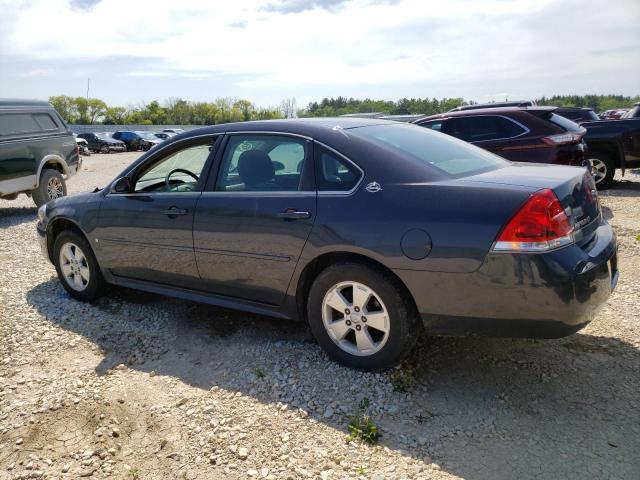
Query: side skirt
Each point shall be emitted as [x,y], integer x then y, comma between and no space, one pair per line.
[210,299]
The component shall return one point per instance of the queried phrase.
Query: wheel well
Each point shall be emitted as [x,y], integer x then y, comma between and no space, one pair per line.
[56,228]
[53,166]
[607,149]
[317,265]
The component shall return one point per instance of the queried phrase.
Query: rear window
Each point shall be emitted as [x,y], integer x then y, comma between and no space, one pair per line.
[453,157]
[45,121]
[564,123]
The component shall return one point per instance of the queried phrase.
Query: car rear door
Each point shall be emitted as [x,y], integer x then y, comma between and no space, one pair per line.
[146,234]
[255,216]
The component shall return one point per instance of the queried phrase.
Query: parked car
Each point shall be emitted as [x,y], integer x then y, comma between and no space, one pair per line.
[163,135]
[612,145]
[615,114]
[37,151]
[531,134]
[368,230]
[83,146]
[174,131]
[136,140]
[103,143]
[479,106]
[633,112]
[577,114]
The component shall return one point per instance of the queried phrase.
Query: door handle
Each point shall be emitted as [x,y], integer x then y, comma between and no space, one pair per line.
[175,211]
[293,214]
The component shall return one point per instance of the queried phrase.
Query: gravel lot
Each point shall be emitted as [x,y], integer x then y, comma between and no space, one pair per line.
[141,386]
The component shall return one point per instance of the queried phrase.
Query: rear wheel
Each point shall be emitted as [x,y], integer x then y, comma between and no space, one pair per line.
[603,168]
[51,186]
[361,317]
[77,267]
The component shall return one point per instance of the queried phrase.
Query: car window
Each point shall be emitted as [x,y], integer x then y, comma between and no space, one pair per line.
[334,174]
[16,123]
[447,154]
[177,172]
[483,127]
[45,121]
[262,163]
[434,125]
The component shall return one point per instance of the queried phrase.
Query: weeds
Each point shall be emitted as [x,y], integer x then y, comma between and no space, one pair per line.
[259,372]
[133,474]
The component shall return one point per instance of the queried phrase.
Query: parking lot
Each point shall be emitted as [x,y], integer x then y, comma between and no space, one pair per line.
[142,386]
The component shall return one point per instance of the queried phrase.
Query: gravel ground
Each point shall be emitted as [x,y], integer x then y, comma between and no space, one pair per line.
[141,386]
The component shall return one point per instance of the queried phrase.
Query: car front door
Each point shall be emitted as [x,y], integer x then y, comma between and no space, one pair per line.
[146,233]
[254,218]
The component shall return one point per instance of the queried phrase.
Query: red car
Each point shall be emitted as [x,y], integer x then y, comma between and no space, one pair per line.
[529,134]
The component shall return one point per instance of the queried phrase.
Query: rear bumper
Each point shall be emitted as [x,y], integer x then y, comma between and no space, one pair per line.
[520,295]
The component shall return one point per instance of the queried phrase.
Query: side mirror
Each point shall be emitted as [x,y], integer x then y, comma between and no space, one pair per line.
[122,185]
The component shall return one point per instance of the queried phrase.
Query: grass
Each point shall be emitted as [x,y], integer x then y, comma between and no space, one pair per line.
[360,470]
[259,372]
[638,237]
[133,474]
[362,428]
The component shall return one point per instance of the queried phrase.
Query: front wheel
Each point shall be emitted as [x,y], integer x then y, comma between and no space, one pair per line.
[104,149]
[361,317]
[77,267]
[51,186]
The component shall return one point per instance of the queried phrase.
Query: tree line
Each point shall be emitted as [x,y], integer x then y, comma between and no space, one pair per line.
[177,111]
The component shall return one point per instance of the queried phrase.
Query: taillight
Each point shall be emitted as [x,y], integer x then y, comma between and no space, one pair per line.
[563,138]
[540,225]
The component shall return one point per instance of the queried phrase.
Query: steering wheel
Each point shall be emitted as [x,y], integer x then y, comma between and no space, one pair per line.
[178,170]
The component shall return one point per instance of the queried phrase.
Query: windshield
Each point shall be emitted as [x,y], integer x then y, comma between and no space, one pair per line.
[565,123]
[104,135]
[450,155]
[633,113]
[147,135]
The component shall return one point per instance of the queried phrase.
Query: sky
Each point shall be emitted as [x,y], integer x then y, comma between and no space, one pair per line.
[135,51]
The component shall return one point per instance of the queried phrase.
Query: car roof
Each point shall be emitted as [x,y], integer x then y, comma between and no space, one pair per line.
[312,127]
[486,111]
[19,102]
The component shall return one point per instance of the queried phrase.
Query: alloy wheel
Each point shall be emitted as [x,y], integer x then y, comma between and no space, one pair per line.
[598,169]
[55,189]
[74,266]
[355,318]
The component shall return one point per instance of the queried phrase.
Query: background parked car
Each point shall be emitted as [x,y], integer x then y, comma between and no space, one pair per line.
[174,131]
[37,151]
[163,135]
[136,140]
[578,114]
[103,143]
[633,112]
[83,146]
[612,145]
[531,134]
[512,103]
[613,114]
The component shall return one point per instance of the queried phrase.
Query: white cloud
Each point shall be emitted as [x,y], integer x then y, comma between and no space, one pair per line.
[264,44]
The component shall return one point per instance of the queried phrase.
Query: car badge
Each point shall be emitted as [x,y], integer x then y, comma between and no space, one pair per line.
[373,187]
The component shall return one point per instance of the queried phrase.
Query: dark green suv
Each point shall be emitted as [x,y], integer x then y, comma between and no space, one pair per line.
[37,151]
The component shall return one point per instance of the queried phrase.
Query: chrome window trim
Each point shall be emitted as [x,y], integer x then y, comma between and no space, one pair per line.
[526,129]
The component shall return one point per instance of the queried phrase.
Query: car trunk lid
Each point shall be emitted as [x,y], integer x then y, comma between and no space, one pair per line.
[573,186]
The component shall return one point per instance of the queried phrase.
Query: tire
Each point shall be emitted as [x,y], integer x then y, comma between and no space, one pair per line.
[604,169]
[82,278]
[398,322]
[52,185]
[104,149]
